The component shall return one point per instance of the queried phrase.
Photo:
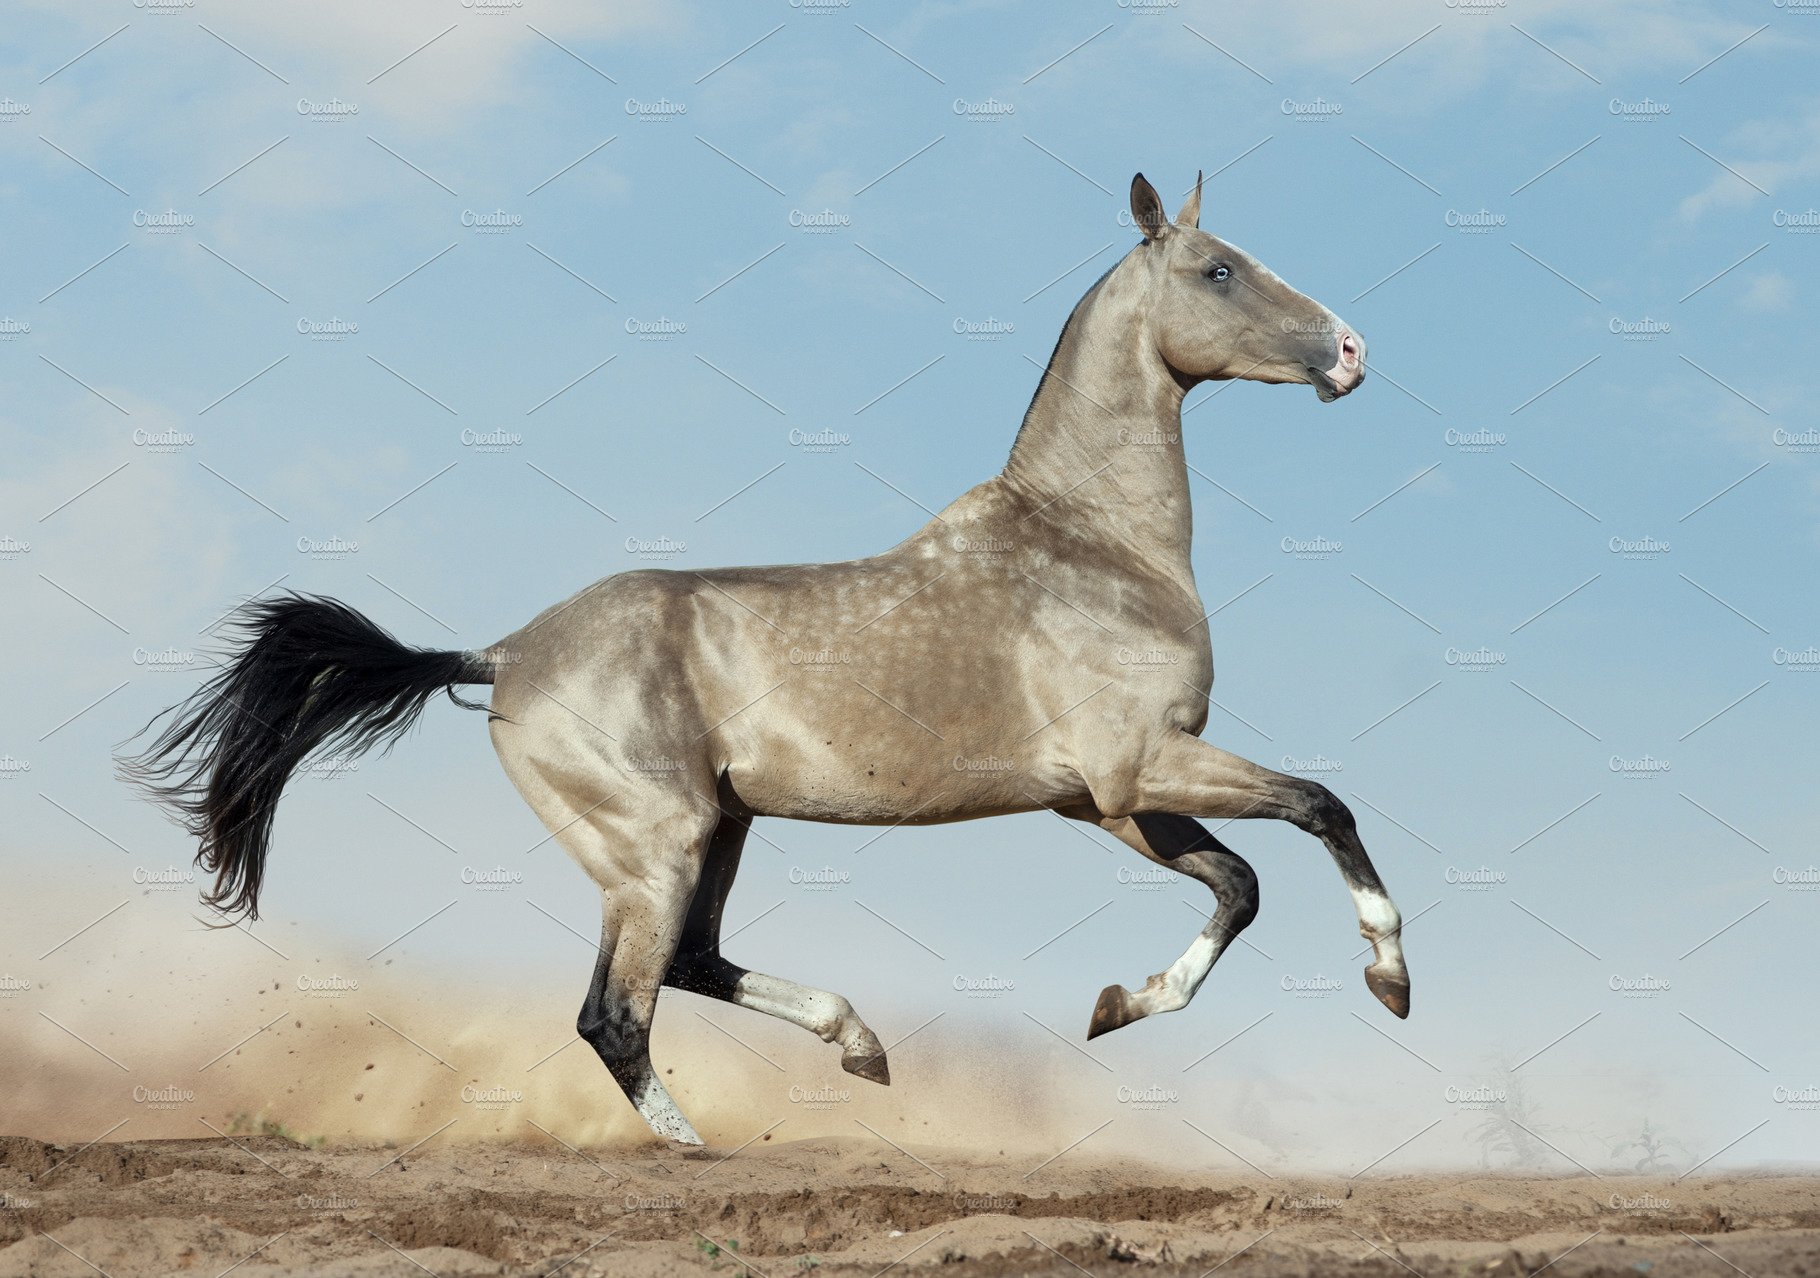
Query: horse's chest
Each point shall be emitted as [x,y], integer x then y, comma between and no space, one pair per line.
[1176,657]
[1166,669]
[1148,638]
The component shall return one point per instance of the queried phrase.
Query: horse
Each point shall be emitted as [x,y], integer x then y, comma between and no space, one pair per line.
[650,717]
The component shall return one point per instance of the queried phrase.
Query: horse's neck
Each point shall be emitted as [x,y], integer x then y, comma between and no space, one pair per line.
[1101,447]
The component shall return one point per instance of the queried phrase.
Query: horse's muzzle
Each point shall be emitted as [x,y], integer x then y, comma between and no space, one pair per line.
[1348,368]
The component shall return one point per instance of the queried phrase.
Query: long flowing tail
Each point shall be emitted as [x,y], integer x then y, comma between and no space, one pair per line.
[305,674]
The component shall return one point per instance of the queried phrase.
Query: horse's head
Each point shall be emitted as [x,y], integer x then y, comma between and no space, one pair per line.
[1216,312]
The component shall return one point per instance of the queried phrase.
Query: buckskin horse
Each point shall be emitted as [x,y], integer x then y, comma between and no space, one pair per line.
[650,717]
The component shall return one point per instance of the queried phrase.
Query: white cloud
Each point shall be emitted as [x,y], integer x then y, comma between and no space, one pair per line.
[1473,39]
[477,54]
[126,541]
[1772,153]
[1771,291]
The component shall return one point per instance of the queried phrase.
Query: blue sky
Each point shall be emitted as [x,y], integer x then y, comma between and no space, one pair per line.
[355,274]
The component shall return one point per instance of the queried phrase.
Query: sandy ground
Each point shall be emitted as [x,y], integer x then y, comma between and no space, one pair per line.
[151,1081]
[847,1206]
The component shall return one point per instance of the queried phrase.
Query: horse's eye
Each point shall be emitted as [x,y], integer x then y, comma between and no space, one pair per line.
[1220,272]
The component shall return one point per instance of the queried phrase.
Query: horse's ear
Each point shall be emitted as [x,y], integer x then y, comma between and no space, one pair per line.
[1191,210]
[1147,209]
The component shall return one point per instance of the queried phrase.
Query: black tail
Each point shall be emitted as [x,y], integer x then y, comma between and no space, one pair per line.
[306,674]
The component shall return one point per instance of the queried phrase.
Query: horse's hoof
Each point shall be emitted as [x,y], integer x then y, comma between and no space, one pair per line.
[679,1142]
[1112,1011]
[872,1067]
[1391,988]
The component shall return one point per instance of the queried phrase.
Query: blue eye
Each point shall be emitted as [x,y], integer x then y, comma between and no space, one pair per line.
[1220,272]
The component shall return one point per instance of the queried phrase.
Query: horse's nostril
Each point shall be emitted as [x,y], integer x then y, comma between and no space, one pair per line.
[1349,349]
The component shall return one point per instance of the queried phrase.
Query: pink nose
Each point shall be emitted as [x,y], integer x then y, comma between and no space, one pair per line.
[1349,349]
[1349,369]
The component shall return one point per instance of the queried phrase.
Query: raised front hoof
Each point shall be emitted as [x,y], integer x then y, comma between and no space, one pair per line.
[1112,1011]
[1391,988]
[868,1066]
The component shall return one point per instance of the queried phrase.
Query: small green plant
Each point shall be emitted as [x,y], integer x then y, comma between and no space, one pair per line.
[259,1125]
[714,1251]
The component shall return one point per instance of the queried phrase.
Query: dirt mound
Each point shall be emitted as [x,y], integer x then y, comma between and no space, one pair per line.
[39,1160]
[829,1217]
[846,1208]
[467,1223]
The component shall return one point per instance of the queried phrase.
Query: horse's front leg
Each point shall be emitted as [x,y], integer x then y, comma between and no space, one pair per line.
[1184,845]
[1189,776]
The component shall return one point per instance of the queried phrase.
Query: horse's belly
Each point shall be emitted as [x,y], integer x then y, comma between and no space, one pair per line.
[872,783]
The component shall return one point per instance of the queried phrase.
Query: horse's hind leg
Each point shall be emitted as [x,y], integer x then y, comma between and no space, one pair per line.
[647,878]
[1184,845]
[700,969]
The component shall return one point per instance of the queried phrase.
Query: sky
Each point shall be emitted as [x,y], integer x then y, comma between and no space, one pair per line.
[449,309]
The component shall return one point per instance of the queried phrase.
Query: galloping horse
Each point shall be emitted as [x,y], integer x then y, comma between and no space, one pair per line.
[649,718]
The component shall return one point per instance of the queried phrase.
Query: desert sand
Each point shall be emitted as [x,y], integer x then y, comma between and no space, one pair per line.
[169,1105]
[267,1205]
